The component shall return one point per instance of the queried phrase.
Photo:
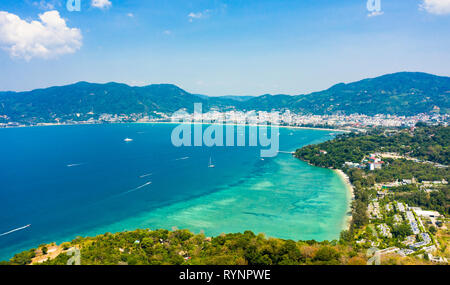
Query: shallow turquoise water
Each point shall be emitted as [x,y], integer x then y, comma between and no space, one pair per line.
[85,180]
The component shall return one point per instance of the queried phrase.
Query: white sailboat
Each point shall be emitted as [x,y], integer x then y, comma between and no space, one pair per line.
[210,163]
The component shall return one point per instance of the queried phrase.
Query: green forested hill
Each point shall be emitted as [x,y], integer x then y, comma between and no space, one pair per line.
[43,105]
[400,93]
[425,143]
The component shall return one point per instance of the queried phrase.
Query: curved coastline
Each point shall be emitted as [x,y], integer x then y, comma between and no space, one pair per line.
[351,193]
[160,122]
[248,125]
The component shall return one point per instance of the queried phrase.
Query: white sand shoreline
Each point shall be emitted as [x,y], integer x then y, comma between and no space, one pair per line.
[351,192]
[203,123]
[250,125]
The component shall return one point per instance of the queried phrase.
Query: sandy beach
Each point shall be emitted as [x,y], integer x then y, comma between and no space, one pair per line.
[349,186]
[160,122]
[249,125]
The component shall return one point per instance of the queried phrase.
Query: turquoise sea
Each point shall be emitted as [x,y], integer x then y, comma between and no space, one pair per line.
[84,180]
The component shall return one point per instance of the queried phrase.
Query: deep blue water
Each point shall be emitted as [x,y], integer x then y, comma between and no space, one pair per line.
[76,180]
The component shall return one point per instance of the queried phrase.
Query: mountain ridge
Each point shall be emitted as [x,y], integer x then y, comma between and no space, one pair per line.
[402,93]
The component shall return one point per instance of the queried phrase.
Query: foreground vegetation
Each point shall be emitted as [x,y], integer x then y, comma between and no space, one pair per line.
[145,247]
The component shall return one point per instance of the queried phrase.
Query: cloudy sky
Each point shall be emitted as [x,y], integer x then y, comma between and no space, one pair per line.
[243,47]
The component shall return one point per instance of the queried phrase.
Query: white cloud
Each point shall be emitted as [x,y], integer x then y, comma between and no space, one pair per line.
[47,38]
[438,7]
[131,15]
[193,16]
[102,4]
[220,9]
[198,15]
[167,32]
[375,13]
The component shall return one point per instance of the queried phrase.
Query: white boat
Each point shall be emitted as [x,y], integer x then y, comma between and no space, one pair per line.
[210,163]
[128,140]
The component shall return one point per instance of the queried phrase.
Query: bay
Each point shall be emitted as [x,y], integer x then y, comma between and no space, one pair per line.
[84,180]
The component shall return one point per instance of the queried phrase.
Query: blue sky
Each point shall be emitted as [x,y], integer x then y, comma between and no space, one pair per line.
[243,47]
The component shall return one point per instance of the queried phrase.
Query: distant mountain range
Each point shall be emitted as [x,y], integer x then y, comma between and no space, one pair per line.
[404,93]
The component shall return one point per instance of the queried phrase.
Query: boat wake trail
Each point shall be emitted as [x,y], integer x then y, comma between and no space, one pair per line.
[15,230]
[75,164]
[182,158]
[137,188]
[145,175]
[127,192]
